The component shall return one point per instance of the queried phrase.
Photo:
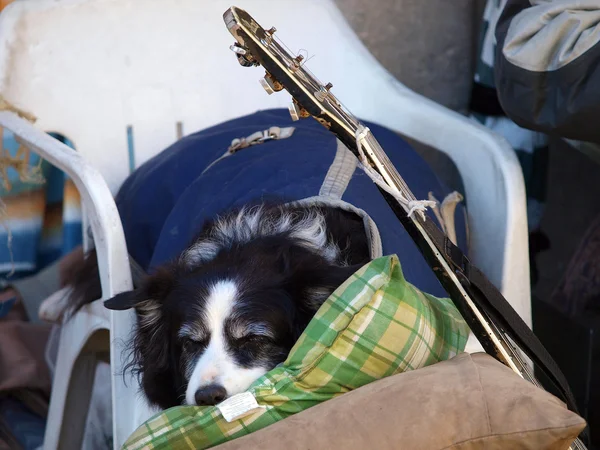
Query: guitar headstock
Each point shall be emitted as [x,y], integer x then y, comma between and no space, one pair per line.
[256,46]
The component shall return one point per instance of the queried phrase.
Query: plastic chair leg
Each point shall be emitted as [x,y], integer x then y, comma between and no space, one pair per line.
[88,341]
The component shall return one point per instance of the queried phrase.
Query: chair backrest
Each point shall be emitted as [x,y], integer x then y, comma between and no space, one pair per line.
[89,69]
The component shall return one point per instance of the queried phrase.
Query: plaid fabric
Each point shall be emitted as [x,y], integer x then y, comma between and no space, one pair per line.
[531,147]
[375,325]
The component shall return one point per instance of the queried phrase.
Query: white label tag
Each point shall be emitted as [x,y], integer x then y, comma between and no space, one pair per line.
[238,406]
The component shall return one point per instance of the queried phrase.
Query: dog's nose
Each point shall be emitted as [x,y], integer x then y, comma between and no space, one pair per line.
[210,395]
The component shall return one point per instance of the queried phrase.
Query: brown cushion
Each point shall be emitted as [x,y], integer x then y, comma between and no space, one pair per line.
[468,402]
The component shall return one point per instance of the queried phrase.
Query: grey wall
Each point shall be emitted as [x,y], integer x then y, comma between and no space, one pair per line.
[427,44]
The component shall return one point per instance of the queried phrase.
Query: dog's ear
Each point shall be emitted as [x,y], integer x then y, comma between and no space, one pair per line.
[124,300]
[153,290]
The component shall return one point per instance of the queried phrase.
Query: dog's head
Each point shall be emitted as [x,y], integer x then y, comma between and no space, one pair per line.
[208,331]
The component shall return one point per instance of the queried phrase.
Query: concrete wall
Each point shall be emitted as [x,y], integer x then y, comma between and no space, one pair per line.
[429,45]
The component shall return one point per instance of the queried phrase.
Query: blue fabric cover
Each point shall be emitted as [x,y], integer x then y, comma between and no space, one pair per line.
[164,203]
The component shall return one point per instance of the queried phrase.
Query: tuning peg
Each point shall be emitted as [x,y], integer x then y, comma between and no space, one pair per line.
[270,84]
[246,60]
[294,111]
[244,57]
[297,112]
[266,86]
[268,36]
[236,48]
[295,63]
[323,92]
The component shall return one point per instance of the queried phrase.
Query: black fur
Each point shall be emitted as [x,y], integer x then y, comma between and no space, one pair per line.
[85,284]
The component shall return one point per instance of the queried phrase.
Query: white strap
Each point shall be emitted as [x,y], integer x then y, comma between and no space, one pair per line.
[411,205]
[340,172]
[445,213]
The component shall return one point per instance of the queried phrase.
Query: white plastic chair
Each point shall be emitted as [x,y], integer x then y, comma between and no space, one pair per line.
[88,69]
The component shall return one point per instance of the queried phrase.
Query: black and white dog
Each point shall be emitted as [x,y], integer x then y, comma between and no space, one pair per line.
[235,301]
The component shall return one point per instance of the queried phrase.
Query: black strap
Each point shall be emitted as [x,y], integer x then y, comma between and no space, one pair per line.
[489,298]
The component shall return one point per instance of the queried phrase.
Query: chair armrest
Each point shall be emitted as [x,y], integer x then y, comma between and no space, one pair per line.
[109,240]
[97,200]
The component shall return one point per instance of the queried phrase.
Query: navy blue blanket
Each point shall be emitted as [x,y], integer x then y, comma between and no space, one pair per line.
[164,203]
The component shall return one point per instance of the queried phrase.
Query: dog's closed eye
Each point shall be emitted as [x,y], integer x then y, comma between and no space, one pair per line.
[253,345]
[193,346]
[254,339]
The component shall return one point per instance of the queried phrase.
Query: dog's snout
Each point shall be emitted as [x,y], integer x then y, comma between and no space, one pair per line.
[210,395]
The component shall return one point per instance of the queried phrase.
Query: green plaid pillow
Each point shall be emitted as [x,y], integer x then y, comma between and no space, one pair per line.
[375,325]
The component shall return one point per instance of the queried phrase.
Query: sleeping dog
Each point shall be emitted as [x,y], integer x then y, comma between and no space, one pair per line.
[228,293]
[232,305]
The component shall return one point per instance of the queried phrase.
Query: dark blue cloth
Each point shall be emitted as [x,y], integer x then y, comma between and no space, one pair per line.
[25,427]
[164,203]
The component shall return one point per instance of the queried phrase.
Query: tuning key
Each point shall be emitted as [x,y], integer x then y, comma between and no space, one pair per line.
[323,92]
[244,57]
[298,112]
[268,89]
[294,111]
[238,49]
[268,36]
[270,84]
[296,63]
